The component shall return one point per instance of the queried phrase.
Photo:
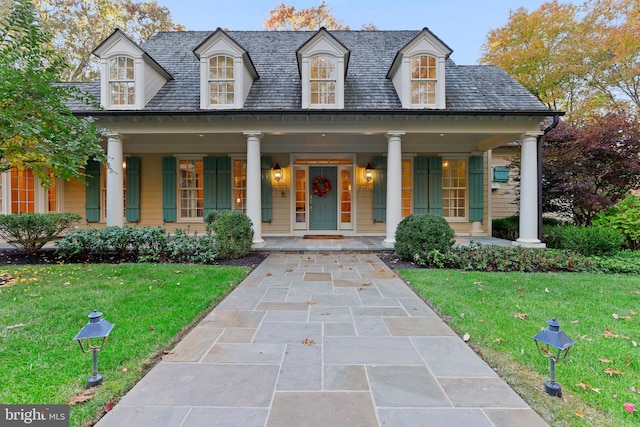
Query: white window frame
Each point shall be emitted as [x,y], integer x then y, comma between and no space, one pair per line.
[238,203]
[465,188]
[322,80]
[424,81]
[179,189]
[122,78]
[222,81]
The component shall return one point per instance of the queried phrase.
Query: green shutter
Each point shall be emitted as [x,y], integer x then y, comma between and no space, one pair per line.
[420,185]
[223,188]
[169,191]
[435,185]
[210,184]
[92,201]
[476,188]
[132,206]
[265,188]
[379,189]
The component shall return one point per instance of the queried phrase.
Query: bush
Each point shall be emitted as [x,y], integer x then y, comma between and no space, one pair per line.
[80,244]
[552,236]
[509,227]
[624,217]
[233,232]
[592,240]
[190,248]
[418,235]
[31,231]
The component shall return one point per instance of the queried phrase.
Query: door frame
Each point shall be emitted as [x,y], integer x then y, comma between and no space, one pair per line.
[298,160]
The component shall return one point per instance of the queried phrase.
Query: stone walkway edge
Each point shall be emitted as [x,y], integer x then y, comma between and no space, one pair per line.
[321,339]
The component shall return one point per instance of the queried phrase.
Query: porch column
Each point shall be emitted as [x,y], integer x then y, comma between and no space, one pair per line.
[254,200]
[394,186]
[528,233]
[115,182]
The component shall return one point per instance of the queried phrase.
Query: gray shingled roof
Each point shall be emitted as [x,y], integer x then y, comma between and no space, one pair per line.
[468,88]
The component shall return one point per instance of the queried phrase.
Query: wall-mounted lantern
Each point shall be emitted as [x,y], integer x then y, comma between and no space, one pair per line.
[277,172]
[368,172]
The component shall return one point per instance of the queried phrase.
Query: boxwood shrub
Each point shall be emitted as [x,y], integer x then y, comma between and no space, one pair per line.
[419,234]
[31,231]
[233,232]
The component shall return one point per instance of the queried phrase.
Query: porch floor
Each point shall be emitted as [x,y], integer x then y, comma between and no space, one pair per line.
[352,244]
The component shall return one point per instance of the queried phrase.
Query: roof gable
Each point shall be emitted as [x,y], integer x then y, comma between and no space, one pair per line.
[323,42]
[219,42]
[425,42]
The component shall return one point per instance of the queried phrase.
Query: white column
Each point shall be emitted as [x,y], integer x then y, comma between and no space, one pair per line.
[254,199]
[528,235]
[394,186]
[115,182]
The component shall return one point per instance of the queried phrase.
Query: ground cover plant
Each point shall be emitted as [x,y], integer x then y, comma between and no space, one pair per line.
[498,313]
[42,307]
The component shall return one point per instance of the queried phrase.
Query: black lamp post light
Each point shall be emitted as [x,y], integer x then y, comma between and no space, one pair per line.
[553,344]
[97,329]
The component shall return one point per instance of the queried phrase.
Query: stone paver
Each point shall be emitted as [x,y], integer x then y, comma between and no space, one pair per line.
[322,340]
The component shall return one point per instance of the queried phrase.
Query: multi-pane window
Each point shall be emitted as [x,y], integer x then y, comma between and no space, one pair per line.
[406,187]
[345,196]
[22,191]
[423,80]
[240,185]
[122,81]
[221,80]
[323,80]
[301,195]
[454,188]
[190,189]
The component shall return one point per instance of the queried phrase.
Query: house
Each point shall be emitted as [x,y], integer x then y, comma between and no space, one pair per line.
[326,132]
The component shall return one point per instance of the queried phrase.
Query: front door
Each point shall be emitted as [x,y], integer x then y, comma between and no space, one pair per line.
[323,190]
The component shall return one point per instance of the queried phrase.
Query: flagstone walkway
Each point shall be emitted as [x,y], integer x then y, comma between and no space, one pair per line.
[322,340]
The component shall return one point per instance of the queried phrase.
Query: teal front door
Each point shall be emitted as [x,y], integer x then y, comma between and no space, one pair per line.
[323,208]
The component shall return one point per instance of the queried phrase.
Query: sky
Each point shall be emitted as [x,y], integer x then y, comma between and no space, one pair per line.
[462,24]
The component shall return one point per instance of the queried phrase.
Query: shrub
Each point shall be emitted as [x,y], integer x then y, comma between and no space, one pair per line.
[80,244]
[233,232]
[418,235]
[191,248]
[505,228]
[624,217]
[592,240]
[31,231]
[552,236]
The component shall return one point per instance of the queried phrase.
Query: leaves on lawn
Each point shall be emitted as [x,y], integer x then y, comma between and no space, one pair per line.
[584,387]
[629,407]
[466,337]
[498,340]
[17,325]
[609,333]
[109,406]
[520,316]
[617,317]
[612,372]
[82,397]
[604,359]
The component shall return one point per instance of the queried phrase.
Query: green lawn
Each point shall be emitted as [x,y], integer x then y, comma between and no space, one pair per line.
[46,305]
[502,311]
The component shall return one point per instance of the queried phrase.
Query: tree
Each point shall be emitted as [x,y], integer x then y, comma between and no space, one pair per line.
[591,165]
[580,59]
[287,18]
[78,26]
[37,129]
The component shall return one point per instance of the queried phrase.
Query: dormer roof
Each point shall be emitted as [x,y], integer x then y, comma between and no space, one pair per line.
[220,42]
[323,42]
[426,41]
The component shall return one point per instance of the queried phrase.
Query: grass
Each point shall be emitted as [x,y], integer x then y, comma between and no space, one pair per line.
[502,311]
[46,305]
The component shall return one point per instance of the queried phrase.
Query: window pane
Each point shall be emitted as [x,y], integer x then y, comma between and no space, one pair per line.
[240,185]
[301,195]
[22,191]
[323,76]
[190,189]
[454,188]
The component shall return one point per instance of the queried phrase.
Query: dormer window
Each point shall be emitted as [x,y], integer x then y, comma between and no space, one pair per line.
[323,80]
[423,80]
[122,85]
[221,80]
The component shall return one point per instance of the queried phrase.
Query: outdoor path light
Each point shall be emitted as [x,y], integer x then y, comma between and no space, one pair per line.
[553,344]
[96,328]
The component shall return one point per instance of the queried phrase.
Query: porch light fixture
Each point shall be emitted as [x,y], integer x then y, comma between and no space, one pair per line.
[97,329]
[553,344]
[368,172]
[277,172]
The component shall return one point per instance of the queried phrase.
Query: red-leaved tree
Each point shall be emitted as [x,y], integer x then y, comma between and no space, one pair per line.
[590,165]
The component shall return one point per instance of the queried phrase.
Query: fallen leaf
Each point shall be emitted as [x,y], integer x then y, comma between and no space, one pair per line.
[482,321]
[597,390]
[604,360]
[307,341]
[582,385]
[580,414]
[82,397]
[520,316]
[608,333]
[462,315]
[633,313]
[17,325]
[612,372]
[546,290]
[310,302]
[615,316]
[628,361]
[466,337]
[635,389]
[268,274]
[152,328]
[125,370]
[629,407]
[288,270]
[635,344]
[498,340]
[108,406]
